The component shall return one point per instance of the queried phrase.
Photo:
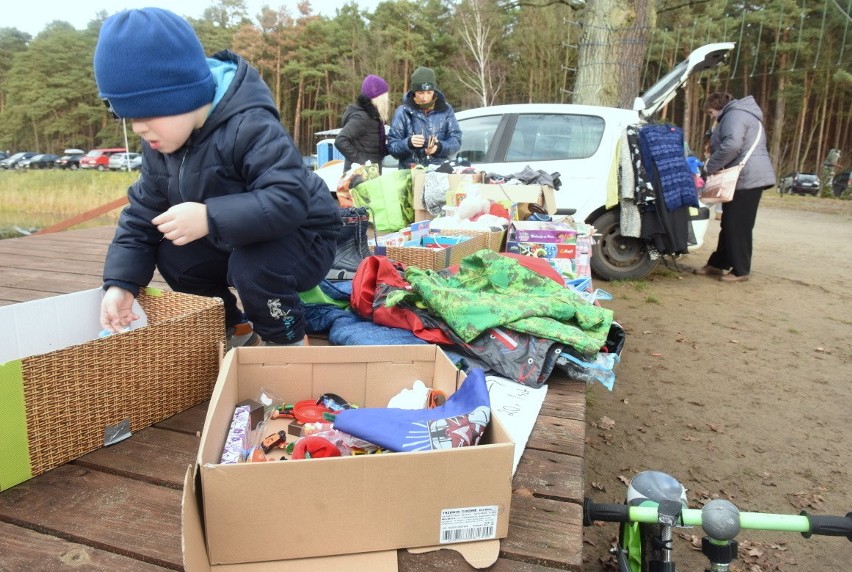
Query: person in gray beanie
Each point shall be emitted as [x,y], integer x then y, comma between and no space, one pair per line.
[223,199]
[424,128]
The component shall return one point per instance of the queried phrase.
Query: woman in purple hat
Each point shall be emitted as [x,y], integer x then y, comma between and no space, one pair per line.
[362,137]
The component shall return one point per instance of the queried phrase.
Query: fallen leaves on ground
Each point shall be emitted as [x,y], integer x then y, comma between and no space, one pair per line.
[807,499]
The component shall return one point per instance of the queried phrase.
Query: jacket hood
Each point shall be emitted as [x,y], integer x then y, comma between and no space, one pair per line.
[247,91]
[747,104]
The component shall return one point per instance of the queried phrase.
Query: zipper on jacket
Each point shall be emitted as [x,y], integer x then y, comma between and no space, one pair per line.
[180,175]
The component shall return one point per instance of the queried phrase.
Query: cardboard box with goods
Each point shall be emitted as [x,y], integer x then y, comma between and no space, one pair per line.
[542,249]
[455,182]
[65,392]
[283,510]
[542,231]
[516,198]
[493,239]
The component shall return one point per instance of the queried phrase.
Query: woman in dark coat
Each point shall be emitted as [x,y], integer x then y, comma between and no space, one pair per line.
[738,124]
[362,137]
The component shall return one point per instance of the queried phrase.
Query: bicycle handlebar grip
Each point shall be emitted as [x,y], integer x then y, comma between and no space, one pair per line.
[593,511]
[829,525]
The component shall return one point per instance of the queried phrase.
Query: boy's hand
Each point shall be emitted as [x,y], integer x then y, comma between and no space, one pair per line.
[183,223]
[117,309]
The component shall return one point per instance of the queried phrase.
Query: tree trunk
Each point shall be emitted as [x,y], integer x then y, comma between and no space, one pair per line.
[801,130]
[612,50]
[778,116]
[297,114]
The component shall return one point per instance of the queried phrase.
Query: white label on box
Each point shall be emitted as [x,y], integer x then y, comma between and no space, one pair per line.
[468,524]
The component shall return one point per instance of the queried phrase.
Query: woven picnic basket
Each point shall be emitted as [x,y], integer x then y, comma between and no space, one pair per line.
[493,239]
[73,396]
[436,258]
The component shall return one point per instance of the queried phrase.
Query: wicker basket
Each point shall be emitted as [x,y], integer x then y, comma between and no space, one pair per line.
[493,239]
[73,395]
[437,258]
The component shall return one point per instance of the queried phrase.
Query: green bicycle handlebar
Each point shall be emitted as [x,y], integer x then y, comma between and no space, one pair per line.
[804,523]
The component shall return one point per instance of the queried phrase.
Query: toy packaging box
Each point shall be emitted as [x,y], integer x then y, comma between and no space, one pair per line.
[65,391]
[362,506]
[542,231]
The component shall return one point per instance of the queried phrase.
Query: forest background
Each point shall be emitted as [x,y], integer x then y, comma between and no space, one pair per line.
[793,56]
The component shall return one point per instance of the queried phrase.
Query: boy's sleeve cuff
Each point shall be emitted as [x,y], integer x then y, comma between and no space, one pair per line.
[129,286]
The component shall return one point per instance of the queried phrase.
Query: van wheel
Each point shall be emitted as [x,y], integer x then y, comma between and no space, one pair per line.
[617,257]
[101,168]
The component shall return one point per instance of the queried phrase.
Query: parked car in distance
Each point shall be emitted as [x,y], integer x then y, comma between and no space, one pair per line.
[43,161]
[70,159]
[841,182]
[12,160]
[99,158]
[125,162]
[799,184]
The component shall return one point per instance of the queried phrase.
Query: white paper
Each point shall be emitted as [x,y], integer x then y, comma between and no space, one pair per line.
[517,407]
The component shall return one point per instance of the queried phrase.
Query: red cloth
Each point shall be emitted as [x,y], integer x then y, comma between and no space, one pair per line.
[373,274]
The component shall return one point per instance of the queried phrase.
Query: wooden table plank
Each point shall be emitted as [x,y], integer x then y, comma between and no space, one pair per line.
[119,515]
[152,455]
[25,549]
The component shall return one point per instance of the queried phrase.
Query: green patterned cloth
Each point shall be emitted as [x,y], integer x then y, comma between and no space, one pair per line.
[491,290]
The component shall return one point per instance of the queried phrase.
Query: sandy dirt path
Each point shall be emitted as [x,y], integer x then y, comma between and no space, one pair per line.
[741,391]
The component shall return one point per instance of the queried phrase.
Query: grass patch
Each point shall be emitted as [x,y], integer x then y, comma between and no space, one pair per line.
[33,200]
[793,331]
[651,299]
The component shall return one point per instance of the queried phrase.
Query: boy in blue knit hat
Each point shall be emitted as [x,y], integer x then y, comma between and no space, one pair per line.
[224,199]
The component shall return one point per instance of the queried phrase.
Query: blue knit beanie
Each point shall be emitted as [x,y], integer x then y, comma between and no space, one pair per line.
[150,63]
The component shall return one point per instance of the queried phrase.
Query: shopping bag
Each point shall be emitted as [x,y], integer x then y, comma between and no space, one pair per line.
[720,186]
[389,199]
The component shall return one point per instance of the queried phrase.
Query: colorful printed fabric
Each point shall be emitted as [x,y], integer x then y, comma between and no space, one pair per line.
[460,422]
[490,290]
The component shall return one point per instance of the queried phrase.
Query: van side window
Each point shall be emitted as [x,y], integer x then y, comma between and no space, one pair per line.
[478,137]
[555,137]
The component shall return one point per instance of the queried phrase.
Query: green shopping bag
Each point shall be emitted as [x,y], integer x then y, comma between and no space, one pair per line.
[389,199]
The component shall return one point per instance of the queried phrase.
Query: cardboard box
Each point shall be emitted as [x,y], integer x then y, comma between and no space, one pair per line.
[418,183]
[259,512]
[542,249]
[542,231]
[65,392]
[509,195]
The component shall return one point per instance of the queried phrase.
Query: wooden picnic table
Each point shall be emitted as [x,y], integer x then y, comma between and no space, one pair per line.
[118,508]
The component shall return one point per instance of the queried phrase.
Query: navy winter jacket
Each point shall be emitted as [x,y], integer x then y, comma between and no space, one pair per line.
[410,120]
[242,164]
